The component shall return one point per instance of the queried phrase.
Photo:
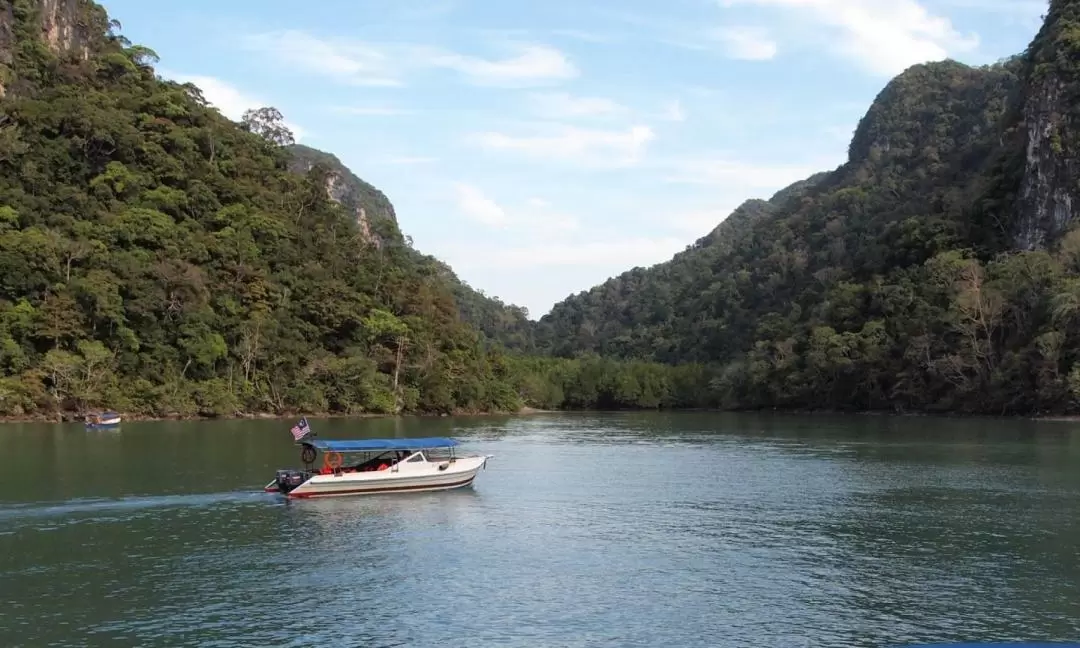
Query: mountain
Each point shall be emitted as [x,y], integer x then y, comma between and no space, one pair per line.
[937,269]
[158,258]
[372,210]
[499,323]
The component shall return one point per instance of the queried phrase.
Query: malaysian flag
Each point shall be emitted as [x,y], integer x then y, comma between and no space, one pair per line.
[301,429]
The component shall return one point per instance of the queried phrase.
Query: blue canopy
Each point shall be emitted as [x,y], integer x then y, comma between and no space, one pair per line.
[365,445]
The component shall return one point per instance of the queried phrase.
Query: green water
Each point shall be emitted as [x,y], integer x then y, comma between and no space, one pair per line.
[607,530]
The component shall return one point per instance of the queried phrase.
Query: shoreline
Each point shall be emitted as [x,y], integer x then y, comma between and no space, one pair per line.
[71,417]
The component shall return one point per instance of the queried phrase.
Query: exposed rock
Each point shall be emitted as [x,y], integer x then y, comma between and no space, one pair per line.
[1048,199]
[7,41]
[372,209]
[68,27]
[1045,207]
[65,25]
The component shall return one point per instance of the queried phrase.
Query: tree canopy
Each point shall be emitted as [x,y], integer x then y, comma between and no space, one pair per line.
[158,258]
[906,279]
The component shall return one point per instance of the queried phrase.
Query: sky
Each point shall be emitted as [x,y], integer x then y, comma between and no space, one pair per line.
[542,146]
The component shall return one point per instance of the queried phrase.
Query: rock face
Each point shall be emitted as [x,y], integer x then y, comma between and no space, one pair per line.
[373,211]
[7,41]
[68,27]
[950,160]
[1048,201]
[65,25]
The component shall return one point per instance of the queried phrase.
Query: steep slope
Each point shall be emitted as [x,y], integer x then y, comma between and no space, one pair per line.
[157,258]
[936,269]
[499,323]
[637,314]
[1047,121]
[372,210]
[505,324]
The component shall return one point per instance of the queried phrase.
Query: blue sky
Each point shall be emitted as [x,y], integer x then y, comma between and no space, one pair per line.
[542,146]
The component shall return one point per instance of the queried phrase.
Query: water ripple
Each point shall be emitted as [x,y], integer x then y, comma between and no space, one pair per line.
[598,534]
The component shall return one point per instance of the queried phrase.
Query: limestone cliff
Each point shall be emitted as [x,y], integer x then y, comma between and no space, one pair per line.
[497,321]
[372,210]
[1048,199]
[66,27]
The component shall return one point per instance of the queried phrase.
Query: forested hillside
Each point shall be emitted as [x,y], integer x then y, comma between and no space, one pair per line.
[499,323]
[160,259]
[937,269]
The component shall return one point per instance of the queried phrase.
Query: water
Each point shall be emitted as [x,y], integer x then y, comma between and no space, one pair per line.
[585,530]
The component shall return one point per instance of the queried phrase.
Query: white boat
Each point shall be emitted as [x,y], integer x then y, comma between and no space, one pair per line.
[377,466]
[103,420]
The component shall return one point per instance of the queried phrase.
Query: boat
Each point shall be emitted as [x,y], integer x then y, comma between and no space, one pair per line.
[377,466]
[102,420]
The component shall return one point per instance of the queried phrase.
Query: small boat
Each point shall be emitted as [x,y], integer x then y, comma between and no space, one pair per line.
[377,466]
[102,420]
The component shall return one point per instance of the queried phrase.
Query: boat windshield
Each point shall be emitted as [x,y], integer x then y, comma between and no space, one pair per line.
[439,454]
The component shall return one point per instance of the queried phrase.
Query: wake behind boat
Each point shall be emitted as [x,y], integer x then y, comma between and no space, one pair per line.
[375,466]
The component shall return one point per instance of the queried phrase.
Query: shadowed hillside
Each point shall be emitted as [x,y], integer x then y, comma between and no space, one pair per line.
[937,269]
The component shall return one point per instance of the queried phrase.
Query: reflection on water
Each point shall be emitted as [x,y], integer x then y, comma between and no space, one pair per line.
[623,530]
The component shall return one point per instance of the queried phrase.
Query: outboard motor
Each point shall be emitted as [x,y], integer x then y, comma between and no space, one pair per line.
[289,479]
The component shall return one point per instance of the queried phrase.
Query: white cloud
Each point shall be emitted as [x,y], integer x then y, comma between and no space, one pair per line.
[746,43]
[699,222]
[539,215]
[371,64]
[533,64]
[412,10]
[227,98]
[349,61]
[1019,8]
[536,214]
[842,134]
[406,159]
[425,10]
[721,172]
[884,37]
[562,105]
[587,36]
[602,147]
[703,91]
[373,111]
[476,206]
[1026,14]
[673,111]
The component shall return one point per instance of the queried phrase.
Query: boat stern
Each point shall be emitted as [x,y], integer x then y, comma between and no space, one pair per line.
[286,480]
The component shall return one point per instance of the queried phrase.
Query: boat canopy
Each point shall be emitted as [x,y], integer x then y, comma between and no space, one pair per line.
[365,445]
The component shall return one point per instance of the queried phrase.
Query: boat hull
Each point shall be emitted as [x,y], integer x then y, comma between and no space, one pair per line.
[344,490]
[459,474]
[104,425]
